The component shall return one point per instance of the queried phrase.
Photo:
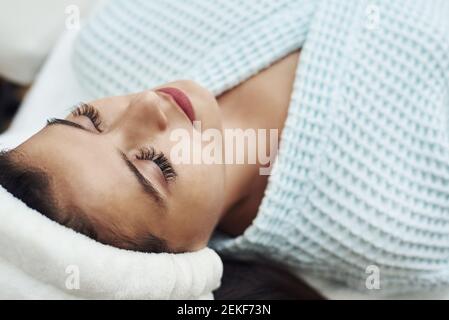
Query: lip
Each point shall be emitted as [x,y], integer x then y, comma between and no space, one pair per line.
[181,99]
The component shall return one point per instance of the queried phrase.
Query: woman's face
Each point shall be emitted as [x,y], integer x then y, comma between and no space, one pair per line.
[111,159]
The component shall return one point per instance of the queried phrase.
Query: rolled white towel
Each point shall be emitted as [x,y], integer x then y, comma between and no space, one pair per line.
[41,259]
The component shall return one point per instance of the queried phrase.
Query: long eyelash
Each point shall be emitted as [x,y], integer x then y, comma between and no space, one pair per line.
[160,160]
[87,110]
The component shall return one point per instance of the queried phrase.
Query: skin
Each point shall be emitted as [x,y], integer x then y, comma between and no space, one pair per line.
[88,171]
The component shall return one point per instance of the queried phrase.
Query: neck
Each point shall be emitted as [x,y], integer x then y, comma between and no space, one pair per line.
[259,103]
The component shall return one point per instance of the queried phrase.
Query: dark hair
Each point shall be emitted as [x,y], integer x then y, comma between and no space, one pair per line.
[32,186]
[250,280]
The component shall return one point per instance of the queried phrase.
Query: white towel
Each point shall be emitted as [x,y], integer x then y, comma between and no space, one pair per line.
[51,259]
[40,259]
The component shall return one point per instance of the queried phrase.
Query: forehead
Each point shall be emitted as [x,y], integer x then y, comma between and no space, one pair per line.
[90,174]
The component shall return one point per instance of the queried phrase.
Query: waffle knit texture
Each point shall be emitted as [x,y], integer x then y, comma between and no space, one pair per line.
[362,174]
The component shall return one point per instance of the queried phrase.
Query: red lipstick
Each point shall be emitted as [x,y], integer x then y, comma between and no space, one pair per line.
[182,100]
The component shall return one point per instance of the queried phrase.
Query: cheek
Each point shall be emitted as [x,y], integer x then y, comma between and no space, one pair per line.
[197,202]
[213,186]
[203,188]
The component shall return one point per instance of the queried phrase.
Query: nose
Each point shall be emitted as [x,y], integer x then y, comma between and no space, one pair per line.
[143,119]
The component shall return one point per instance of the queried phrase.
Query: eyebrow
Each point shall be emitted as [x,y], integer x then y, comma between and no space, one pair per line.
[146,184]
[55,121]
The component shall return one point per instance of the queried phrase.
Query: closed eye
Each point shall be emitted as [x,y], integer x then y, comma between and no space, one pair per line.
[160,160]
[89,111]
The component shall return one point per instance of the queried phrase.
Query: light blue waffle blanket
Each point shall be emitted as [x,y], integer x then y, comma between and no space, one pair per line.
[362,176]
